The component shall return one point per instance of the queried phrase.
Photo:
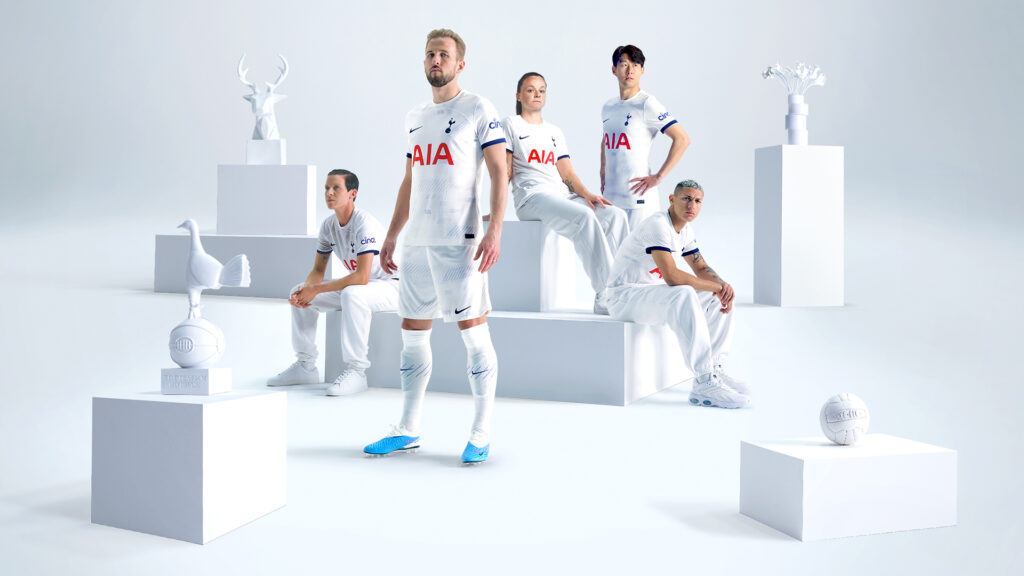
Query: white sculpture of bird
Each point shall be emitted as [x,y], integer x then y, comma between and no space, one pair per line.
[203,271]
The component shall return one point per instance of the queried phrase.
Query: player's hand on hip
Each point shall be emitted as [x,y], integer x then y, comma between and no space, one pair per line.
[644,183]
[387,256]
[488,251]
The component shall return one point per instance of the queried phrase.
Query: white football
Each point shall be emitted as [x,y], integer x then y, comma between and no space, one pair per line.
[845,419]
[196,343]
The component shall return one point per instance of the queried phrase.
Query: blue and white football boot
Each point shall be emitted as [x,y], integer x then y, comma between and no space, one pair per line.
[398,440]
[474,455]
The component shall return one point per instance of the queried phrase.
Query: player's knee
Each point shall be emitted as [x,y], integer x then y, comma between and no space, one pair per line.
[350,297]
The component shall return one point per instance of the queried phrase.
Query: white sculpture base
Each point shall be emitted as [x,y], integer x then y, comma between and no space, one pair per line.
[537,271]
[798,226]
[277,262]
[188,467]
[538,356]
[813,489]
[195,381]
[267,200]
[265,152]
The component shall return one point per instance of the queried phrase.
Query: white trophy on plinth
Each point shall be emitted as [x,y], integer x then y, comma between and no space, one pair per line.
[266,145]
[196,343]
[798,208]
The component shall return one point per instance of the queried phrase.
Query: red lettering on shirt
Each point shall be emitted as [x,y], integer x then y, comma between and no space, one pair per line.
[612,141]
[541,158]
[656,271]
[443,153]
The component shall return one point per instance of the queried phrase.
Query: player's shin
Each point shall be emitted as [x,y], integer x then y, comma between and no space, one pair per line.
[482,370]
[415,366]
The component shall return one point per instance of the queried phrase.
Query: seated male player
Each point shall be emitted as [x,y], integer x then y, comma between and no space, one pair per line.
[354,235]
[647,287]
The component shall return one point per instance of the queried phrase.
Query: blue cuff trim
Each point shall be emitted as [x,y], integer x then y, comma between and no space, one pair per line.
[665,127]
[368,252]
[694,251]
[408,155]
[510,151]
[319,251]
[562,156]
[653,248]
[492,143]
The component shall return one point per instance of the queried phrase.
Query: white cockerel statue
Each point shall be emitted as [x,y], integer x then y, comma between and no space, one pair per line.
[203,271]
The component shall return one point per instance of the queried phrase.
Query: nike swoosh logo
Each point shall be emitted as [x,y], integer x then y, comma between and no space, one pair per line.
[415,129]
[605,120]
[522,137]
[480,372]
[457,311]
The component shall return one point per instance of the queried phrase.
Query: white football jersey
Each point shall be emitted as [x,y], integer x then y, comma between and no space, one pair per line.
[362,234]
[629,129]
[634,263]
[535,149]
[446,146]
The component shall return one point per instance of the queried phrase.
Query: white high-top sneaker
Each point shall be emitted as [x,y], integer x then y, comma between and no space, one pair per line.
[712,391]
[731,381]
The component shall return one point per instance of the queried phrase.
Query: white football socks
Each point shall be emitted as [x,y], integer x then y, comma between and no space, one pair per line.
[482,370]
[415,367]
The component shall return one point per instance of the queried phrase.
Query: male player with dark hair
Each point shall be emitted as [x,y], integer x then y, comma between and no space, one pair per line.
[353,235]
[446,255]
[631,122]
[647,286]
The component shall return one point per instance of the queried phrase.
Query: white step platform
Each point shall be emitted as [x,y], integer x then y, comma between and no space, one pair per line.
[542,356]
[266,199]
[276,263]
[537,271]
[188,467]
[798,226]
[813,489]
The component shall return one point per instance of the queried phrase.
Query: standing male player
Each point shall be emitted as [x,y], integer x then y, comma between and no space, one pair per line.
[631,122]
[450,138]
[353,235]
[647,287]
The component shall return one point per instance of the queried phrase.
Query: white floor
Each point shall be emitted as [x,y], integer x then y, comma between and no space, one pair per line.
[929,339]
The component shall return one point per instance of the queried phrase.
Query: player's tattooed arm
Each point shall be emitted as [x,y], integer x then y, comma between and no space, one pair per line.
[703,270]
[575,185]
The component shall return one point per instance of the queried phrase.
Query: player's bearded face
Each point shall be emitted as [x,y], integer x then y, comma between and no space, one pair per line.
[439,77]
[441,62]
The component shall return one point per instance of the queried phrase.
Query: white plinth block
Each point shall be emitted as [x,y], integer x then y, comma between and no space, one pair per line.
[195,381]
[266,199]
[536,271]
[276,263]
[813,489]
[542,356]
[798,226]
[266,152]
[187,467]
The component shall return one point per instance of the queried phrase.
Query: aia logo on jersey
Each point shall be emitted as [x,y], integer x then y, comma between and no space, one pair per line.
[663,115]
[494,124]
[656,271]
[541,158]
[433,155]
[616,140]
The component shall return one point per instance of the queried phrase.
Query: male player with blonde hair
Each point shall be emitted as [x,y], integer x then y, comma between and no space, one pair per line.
[445,255]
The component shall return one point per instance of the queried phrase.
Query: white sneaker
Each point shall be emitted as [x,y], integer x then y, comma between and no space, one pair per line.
[598,307]
[297,373]
[350,381]
[731,381]
[714,392]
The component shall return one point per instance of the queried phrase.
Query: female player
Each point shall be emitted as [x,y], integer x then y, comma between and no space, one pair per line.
[546,188]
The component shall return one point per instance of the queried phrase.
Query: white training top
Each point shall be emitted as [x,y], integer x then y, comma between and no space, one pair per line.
[633,262]
[535,150]
[362,234]
[629,129]
[446,143]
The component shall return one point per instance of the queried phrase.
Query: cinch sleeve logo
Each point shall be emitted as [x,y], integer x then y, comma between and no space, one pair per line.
[366,241]
[433,156]
[663,115]
[494,124]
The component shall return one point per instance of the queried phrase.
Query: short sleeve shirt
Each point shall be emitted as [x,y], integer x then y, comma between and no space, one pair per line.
[536,150]
[629,129]
[446,144]
[634,263]
[363,234]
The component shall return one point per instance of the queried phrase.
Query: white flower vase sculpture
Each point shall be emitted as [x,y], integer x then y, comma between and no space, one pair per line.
[796,80]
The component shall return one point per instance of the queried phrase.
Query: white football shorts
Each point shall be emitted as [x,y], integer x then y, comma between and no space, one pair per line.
[442,282]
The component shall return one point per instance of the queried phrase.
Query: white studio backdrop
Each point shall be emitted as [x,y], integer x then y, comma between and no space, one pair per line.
[124,109]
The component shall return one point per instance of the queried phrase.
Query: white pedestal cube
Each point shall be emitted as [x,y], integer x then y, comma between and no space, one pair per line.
[266,199]
[813,489]
[798,226]
[266,152]
[276,263]
[536,272]
[195,381]
[188,467]
[542,356]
